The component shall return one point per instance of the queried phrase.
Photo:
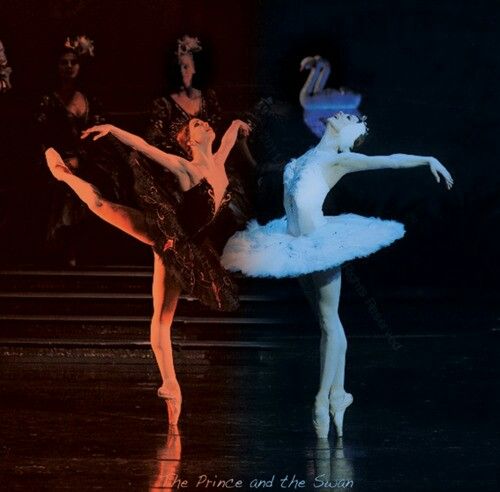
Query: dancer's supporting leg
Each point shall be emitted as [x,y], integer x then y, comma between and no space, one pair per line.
[166,293]
[333,349]
[310,290]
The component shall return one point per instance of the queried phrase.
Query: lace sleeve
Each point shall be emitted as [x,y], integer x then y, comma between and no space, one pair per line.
[43,121]
[213,109]
[160,117]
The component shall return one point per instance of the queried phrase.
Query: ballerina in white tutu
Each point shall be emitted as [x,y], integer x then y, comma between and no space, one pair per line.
[307,242]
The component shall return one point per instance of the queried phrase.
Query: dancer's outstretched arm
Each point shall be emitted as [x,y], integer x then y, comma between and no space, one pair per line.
[353,162]
[173,163]
[229,139]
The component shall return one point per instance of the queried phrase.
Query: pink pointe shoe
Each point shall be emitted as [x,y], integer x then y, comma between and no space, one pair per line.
[173,403]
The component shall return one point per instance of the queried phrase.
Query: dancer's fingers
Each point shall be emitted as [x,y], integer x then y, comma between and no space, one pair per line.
[90,130]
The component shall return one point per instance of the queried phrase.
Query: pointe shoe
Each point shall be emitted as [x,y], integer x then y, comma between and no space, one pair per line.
[174,404]
[321,422]
[338,406]
[56,165]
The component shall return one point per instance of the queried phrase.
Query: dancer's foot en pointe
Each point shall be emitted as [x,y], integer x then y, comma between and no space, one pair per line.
[321,419]
[173,400]
[338,405]
[321,416]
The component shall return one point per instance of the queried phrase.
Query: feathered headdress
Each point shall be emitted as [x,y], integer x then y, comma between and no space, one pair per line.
[187,45]
[81,45]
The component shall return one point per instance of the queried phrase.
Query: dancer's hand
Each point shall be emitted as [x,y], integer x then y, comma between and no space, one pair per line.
[244,129]
[438,169]
[56,165]
[100,130]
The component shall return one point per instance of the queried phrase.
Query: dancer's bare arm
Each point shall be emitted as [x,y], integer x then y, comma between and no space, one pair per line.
[353,162]
[229,139]
[173,163]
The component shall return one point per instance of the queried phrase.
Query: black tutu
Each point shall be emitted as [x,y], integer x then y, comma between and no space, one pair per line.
[181,224]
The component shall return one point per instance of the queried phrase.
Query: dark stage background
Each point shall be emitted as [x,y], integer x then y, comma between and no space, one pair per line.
[427,70]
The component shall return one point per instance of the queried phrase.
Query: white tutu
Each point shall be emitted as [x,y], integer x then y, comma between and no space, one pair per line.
[269,251]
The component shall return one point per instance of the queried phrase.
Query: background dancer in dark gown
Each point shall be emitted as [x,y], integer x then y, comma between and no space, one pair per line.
[183,257]
[62,115]
[183,100]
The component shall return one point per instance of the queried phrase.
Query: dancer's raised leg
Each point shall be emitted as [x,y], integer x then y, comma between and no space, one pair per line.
[127,219]
[165,296]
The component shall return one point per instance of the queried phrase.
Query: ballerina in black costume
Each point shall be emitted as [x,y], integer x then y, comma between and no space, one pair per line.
[189,96]
[184,260]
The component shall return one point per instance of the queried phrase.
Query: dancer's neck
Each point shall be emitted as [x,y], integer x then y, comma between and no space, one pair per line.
[201,151]
[328,143]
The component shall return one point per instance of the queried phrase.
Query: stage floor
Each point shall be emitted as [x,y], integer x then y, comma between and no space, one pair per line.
[423,418]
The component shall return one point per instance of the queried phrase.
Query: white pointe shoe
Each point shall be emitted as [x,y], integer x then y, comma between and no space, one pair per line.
[321,421]
[338,406]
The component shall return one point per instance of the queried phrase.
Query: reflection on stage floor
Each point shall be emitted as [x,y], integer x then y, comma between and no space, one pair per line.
[422,419]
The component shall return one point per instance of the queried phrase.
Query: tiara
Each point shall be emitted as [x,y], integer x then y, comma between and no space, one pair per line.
[81,45]
[348,118]
[176,126]
[187,45]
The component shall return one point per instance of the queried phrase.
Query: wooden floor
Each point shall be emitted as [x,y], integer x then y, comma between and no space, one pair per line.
[423,418]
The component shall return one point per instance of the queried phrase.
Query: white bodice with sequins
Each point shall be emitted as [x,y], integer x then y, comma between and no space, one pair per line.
[305,240]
